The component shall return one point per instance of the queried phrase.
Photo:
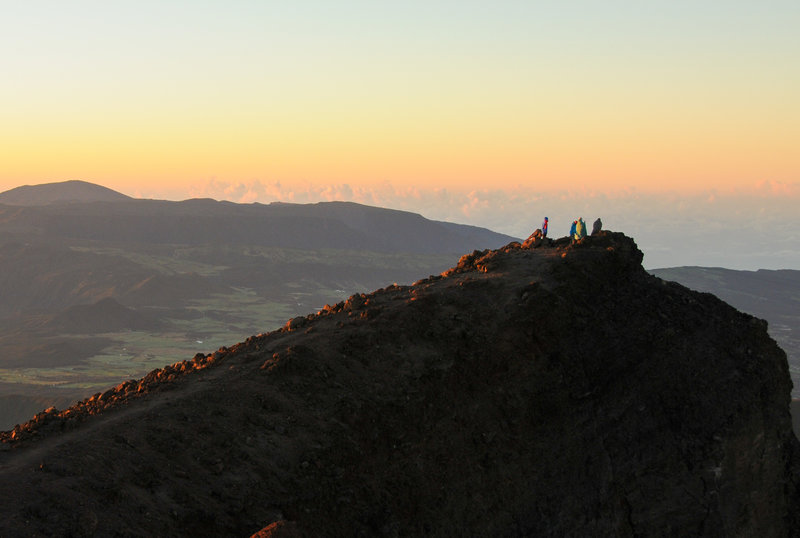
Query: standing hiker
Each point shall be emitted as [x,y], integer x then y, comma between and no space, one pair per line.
[544,227]
[580,229]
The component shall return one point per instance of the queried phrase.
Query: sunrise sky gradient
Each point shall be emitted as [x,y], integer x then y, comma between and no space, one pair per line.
[312,100]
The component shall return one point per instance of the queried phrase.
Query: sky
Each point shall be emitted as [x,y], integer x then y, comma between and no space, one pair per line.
[487,113]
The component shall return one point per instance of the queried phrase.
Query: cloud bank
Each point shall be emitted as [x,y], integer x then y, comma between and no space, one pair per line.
[757,228]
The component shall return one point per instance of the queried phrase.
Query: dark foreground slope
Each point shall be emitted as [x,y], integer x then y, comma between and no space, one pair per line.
[770,295]
[558,390]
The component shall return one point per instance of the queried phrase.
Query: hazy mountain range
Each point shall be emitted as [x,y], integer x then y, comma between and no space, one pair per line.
[543,389]
[77,210]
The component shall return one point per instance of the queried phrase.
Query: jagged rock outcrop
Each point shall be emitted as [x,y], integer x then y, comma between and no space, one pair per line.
[549,390]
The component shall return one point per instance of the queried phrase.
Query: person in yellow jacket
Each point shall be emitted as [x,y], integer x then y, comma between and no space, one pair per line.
[580,229]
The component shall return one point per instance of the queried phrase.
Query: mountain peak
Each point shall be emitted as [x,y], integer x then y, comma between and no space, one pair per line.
[64,192]
[545,388]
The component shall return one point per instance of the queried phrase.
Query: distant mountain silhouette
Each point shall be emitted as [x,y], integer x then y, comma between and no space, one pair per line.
[60,193]
[764,293]
[542,389]
[99,214]
[60,255]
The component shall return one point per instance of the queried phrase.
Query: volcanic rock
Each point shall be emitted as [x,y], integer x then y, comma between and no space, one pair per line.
[550,390]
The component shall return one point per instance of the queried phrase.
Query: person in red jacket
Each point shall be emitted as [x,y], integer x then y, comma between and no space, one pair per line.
[544,227]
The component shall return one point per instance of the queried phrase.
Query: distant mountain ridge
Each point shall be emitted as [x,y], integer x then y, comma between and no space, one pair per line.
[64,192]
[80,210]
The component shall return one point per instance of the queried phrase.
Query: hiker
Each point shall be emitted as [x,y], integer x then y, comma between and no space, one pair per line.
[580,229]
[544,227]
[597,226]
[572,229]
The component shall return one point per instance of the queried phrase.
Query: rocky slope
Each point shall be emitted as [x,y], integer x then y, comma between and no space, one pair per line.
[538,390]
[770,295]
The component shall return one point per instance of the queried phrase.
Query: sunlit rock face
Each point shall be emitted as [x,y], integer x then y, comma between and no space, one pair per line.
[554,389]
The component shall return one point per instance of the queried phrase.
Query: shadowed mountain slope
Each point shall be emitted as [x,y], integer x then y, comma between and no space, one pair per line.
[104,316]
[547,390]
[770,295]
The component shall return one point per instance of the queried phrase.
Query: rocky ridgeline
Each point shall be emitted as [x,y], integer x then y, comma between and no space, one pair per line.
[547,388]
[52,420]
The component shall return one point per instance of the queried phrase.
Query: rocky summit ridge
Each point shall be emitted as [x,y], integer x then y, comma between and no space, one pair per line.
[542,389]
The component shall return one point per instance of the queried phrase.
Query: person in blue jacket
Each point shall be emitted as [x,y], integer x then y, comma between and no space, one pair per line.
[572,229]
[544,227]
